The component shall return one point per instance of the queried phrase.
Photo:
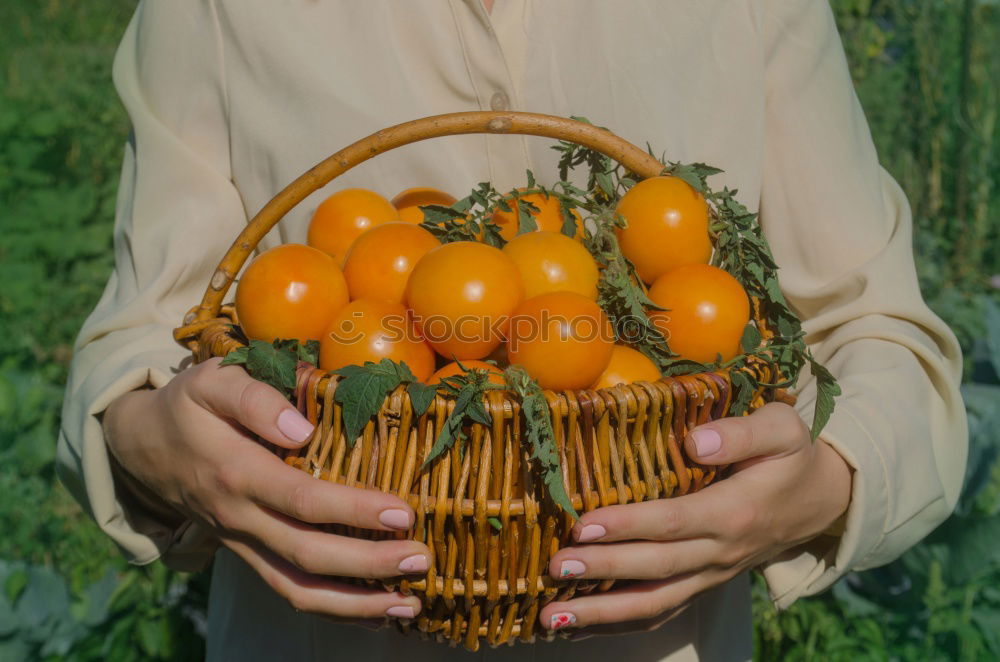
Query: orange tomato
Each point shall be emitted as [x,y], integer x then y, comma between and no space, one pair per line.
[462,295]
[548,217]
[552,262]
[627,366]
[380,260]
[410,201]
[289,291]
[494,374]
[563,339]
[342,217]
[667,226]
[371,330]
[707,311]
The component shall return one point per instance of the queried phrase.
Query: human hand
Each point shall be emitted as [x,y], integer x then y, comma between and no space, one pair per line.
[784,490]
[191,442]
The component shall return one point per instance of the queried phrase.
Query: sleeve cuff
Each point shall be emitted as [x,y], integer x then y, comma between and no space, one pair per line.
[143,526]
[817,564]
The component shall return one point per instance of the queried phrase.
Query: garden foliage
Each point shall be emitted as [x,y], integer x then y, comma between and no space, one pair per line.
[926,73]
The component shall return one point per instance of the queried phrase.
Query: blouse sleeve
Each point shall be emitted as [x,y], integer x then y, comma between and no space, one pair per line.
[841,231]
[177,213]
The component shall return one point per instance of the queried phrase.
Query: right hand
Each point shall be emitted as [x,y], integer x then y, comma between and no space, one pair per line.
[191,442]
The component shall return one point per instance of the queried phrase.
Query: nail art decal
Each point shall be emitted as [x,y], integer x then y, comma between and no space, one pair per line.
[561,620]
[570,569]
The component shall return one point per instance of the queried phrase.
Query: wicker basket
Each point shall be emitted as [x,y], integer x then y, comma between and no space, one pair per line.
[617,445]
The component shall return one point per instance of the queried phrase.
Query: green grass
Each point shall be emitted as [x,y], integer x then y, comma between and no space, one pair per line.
[67,595]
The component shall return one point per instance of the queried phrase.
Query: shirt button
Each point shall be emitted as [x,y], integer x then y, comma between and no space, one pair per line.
[499,101]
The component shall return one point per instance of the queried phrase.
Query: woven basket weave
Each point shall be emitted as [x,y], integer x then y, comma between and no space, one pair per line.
[617,445]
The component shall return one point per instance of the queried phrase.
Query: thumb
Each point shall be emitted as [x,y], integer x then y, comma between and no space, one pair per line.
[231,393]
[773,430]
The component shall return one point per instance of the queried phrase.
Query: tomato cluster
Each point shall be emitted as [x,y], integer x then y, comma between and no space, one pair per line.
[373,283]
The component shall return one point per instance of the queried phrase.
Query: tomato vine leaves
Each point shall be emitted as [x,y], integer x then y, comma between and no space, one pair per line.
[540,438]
[740,249]
[620,294]
[467,388]
[274,363]
[362,391]
[472,217]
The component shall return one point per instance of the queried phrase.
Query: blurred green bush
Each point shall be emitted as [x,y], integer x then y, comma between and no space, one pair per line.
[66,593]
[926,72]
[928,75]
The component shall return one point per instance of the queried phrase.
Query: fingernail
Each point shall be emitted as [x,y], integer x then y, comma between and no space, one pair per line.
[415,563]
[591,532]
[400,611]
[562,619]
[706,441]
[395,519]
[571,568]
[293,425]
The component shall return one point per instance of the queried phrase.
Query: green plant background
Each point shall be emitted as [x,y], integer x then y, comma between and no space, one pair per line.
[926,72]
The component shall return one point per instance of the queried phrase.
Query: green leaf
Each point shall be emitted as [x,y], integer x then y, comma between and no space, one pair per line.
[605,182]
[539,435]
[695,174]
[421,396]
[14,584]
[743,388]
[751,338]
[96,598]
[436,215]
[238,356]
[525,217]
[569,220]
[400,370]
[363,390]
[620,294]
[974,547]
[468,388]
[154,636]
[309,352]
[272,365]
[773,290]
[477,412]
[45,596]
[452,429]
[826,390]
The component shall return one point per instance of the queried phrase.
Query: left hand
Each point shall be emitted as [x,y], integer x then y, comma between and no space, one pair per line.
[784,490]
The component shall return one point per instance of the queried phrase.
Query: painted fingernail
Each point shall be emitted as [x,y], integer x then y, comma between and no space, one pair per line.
[591,532]
[395,519]
[562,619]
[706,441]
[415,563]
[401,611]
[293,425]
[571,568]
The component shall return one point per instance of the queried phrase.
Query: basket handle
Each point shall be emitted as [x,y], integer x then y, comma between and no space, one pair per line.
[452,124]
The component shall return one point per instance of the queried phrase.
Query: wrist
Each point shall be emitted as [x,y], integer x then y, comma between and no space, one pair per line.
[837,479]
[126,424]
[119,421]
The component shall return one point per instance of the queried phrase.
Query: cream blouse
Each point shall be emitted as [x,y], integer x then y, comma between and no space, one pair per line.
[232,99]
